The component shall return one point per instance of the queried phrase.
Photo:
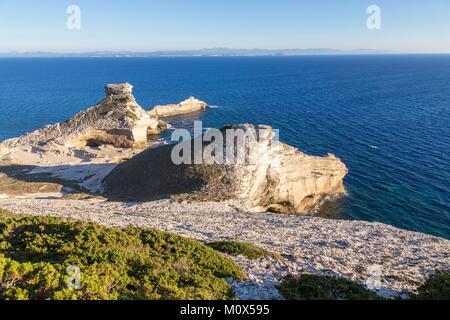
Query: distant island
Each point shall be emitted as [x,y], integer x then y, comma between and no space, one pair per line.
[208,52]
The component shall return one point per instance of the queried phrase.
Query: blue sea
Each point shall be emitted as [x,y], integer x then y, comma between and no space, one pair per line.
[386,117]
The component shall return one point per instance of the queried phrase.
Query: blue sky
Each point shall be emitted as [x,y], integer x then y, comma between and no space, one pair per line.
[147,25]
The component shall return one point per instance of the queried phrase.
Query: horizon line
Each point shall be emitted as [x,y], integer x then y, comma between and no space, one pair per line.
[204,52]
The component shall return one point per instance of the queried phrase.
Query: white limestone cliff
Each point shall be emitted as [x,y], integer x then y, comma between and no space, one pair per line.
[282,178]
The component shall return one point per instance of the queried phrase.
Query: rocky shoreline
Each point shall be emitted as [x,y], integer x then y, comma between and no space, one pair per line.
[109,149]
[355,250]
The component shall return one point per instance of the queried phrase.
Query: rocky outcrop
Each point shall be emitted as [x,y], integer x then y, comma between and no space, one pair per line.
[393,261]
[273,177]
[117,120]
[187,106]
[84,149]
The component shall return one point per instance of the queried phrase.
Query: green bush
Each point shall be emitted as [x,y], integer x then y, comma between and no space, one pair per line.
[316,287]
[437,287]
[129,263]
[242,249]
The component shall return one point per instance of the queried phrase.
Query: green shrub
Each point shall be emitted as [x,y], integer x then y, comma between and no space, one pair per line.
[437,287]
[242,249]
[316,287]
[115,263]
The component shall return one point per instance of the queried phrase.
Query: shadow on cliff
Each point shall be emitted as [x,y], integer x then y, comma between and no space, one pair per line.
[150,175]
[26,179]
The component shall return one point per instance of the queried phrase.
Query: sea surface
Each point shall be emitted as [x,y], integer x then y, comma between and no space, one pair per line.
[386,117]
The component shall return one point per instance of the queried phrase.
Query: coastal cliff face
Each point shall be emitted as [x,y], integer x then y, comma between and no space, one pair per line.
[275,177]
[283,179]
[187,106]
[117,120]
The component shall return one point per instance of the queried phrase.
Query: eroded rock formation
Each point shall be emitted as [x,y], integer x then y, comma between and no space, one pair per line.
[117,120]
[187,106]
[274,176]
[85,148]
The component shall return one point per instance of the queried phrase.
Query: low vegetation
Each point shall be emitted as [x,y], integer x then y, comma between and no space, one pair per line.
[15,187]
[316,287]
[437,287]
[40,258]
[39,255]
[242,249]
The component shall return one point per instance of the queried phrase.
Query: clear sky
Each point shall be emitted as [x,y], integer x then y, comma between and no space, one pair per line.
[147,25]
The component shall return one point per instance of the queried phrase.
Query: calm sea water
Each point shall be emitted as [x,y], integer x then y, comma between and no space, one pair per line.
[386,117]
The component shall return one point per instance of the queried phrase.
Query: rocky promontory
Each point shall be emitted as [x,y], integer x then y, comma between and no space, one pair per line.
[117,120]
[86,147]
[114,135]
[116,131]
[274,176]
